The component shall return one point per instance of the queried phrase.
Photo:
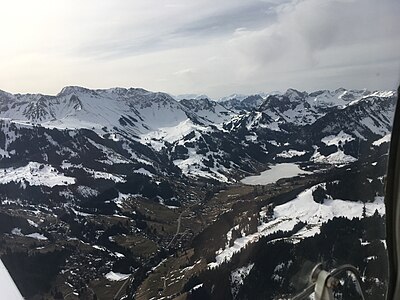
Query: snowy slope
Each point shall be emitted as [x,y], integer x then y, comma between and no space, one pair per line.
[301,209]
[370,115]
[302,108]
[35,174]
[190,96]
[240,103]
[132,110]
[208,110]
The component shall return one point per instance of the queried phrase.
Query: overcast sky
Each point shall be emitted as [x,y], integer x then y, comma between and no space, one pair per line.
[206,46]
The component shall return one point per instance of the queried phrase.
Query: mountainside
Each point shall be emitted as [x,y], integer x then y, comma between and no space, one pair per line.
[157,120]
[121,185]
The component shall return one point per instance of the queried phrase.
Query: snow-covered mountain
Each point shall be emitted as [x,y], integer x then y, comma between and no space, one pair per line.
[300,108]
[130,110]
[243,103]
[77,144]
[210,111]
[190,96]
[200,136]
[107,183]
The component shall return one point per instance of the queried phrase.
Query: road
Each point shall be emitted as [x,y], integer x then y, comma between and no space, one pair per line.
[178,228]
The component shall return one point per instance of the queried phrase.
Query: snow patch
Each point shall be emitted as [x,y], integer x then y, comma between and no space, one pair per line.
[290,153]
[341,138]
[143,171]
[385,139]
[111,276]
[32,223]
[237,278]
[336,158]
[35,174]
[197,287]
[37,236]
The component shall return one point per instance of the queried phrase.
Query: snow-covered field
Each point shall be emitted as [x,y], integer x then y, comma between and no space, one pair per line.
[340,138]
[276,172]
[35,174]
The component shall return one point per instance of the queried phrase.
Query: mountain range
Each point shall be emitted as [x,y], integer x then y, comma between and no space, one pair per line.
[106,183]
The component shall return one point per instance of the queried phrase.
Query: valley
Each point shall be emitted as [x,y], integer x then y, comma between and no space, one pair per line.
[132,194]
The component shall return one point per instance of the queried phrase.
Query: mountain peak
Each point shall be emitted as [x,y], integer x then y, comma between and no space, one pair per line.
[238,97]
[198,104]
[293,92]
[68,90]
[190,97]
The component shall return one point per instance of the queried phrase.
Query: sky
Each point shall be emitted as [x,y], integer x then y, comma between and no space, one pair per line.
[207,47]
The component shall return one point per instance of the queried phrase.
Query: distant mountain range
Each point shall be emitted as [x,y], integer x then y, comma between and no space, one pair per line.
[202,137]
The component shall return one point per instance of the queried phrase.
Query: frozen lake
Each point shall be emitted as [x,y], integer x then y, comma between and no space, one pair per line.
[276,172]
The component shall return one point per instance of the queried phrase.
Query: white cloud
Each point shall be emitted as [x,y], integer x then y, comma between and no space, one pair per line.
[213,47]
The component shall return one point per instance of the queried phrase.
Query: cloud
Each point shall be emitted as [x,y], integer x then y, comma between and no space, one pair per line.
[212,47]
[184,72]
[174,25]
[312,36]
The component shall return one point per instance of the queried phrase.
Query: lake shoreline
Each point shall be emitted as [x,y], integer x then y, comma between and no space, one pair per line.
[274,173]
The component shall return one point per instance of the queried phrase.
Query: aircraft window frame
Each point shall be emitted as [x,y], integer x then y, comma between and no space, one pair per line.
[392,197]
